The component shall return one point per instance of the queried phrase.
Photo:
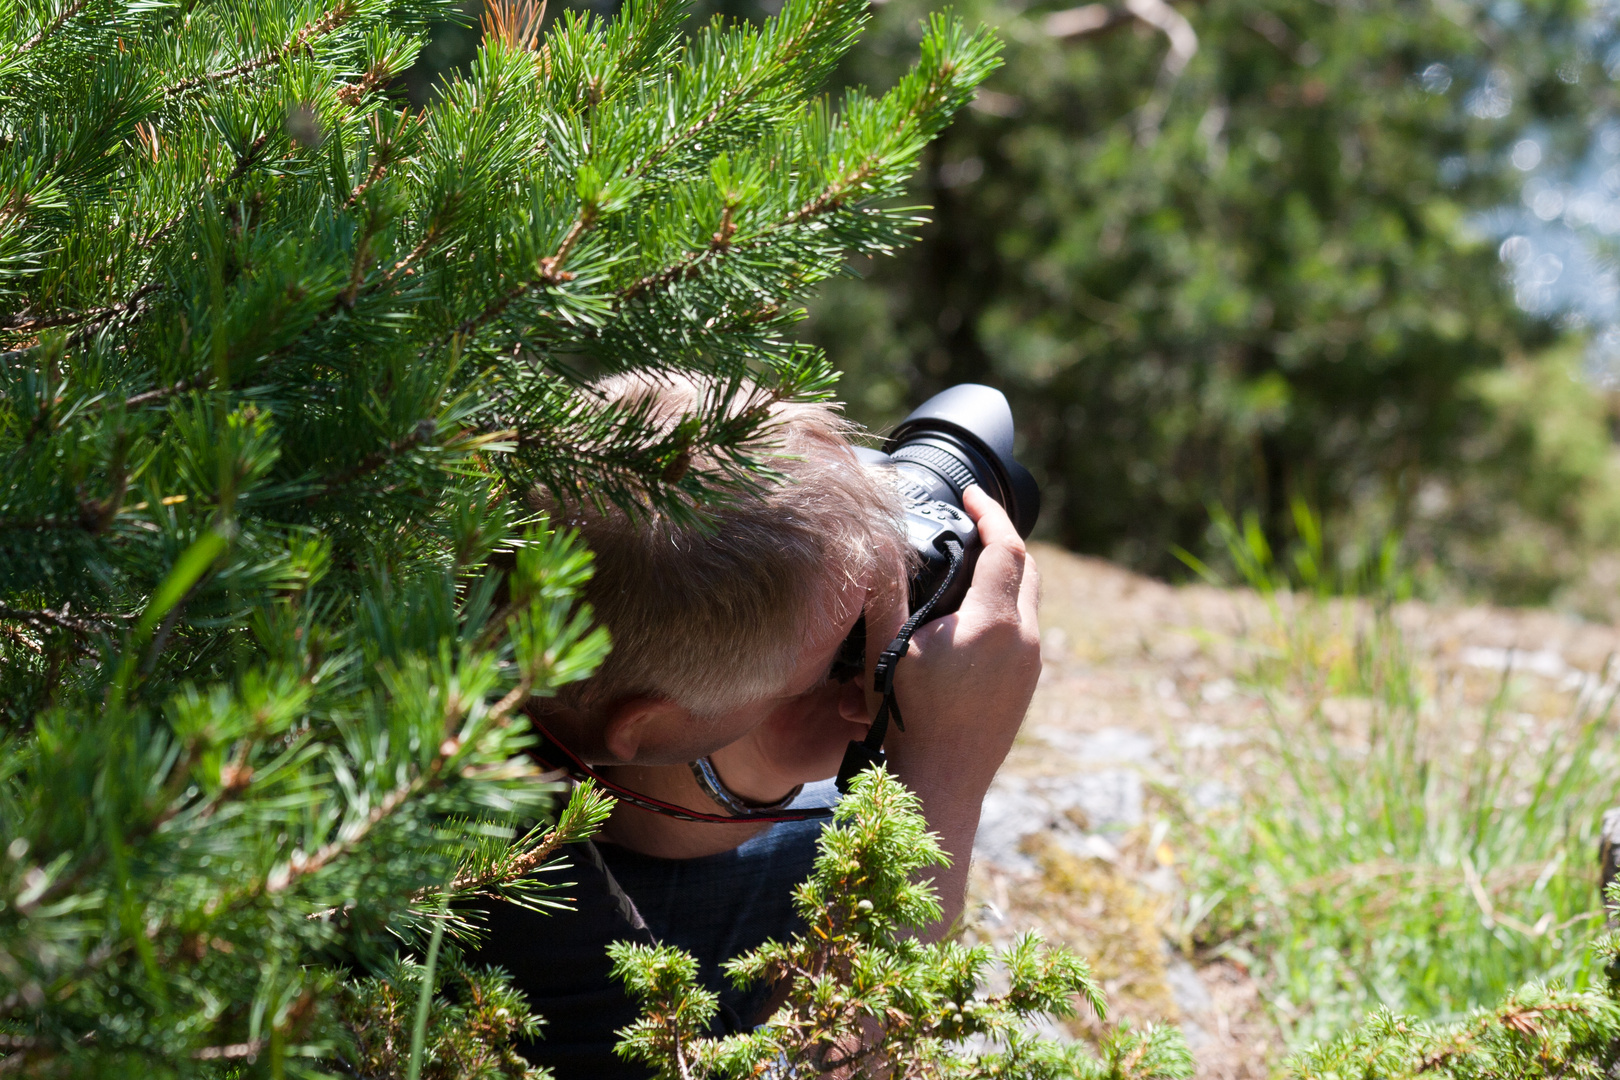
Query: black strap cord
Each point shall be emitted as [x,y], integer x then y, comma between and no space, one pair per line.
[550,750]
[868,752]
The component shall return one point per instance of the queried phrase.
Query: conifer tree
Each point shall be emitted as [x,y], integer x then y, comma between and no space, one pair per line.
[279,362]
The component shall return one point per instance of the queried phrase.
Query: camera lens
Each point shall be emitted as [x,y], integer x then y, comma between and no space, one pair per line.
[956,439]
[961,437]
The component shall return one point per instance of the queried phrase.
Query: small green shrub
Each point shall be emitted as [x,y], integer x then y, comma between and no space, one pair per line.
[471,1034]
[865,997]
[1538,1031]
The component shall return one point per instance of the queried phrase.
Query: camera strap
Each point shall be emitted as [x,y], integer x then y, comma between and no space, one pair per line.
[551,750]
[868,752]
[859,757]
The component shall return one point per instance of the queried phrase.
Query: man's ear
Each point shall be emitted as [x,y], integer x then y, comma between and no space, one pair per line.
[641,725]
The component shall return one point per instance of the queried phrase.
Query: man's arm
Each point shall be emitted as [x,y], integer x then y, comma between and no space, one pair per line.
[963,689]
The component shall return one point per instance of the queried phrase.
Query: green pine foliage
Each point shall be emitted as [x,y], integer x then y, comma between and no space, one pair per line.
[279,362]
[1538,1032]
[865,997]
[470,1035]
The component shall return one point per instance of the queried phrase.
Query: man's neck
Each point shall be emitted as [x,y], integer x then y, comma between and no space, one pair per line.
[666,837]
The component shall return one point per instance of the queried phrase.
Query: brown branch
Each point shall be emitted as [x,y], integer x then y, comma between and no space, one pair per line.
[415,253]
[550,272]
[378,167]
[230,1052]
[53,26]
[299,43]
[162,392]
[832,198]
[23,639]
[519,867]
[423,432]
[246,160]
[301,865]
[23,324]
[152,239]
[789,48]
[46,619]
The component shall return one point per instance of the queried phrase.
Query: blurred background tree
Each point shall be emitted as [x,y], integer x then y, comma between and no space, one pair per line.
[1235,252]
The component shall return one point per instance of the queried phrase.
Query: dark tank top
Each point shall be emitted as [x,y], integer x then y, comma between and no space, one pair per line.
[716,907]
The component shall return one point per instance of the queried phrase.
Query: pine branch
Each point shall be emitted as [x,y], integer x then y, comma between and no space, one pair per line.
[23,323]
[247,159]
[46,619]
[301,42]
[831,199]
[585,811]
[53,26]
[149,396]
[550,273]
[730,101]
[301,865]
[422,434]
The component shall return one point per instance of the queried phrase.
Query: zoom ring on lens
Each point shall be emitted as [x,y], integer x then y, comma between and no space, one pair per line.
[958,475]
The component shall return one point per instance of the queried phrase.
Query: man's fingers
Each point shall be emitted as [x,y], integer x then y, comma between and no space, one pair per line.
[995,527]
[1029,592]
[999,575]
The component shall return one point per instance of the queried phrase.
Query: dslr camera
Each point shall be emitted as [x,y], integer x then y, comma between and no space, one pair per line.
[955,439]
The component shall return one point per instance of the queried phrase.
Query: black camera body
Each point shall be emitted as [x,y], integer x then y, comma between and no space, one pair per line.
[955,439]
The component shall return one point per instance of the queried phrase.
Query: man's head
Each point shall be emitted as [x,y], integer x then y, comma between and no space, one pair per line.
[714,624]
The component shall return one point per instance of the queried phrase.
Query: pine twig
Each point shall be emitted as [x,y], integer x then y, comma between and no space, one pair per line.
[832,198]
[229,1052]
[789,50]
[46,619]
[23,324]
[421,434]
[550,273]
[149,396]
[53,26]
[299,43]
[301,865]
[245,161]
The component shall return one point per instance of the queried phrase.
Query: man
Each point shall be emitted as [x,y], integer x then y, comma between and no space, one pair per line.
[726,646]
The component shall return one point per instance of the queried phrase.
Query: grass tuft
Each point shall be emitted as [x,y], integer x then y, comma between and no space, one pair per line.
[1399,847]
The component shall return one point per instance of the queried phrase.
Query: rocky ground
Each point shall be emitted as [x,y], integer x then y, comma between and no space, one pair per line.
[1151,711]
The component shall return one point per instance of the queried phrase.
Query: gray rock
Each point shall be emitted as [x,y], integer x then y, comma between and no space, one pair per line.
[1187,988]
[1109,799]
[1011,811]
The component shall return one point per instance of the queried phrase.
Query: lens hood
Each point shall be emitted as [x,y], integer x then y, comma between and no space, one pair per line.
[965,435]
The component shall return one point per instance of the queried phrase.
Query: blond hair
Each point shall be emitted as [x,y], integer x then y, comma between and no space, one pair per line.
[710,613]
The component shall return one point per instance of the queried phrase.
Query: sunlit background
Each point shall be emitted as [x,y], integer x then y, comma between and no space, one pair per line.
[1248,253]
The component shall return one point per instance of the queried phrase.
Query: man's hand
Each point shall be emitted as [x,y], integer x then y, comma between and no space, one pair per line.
[963,690]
